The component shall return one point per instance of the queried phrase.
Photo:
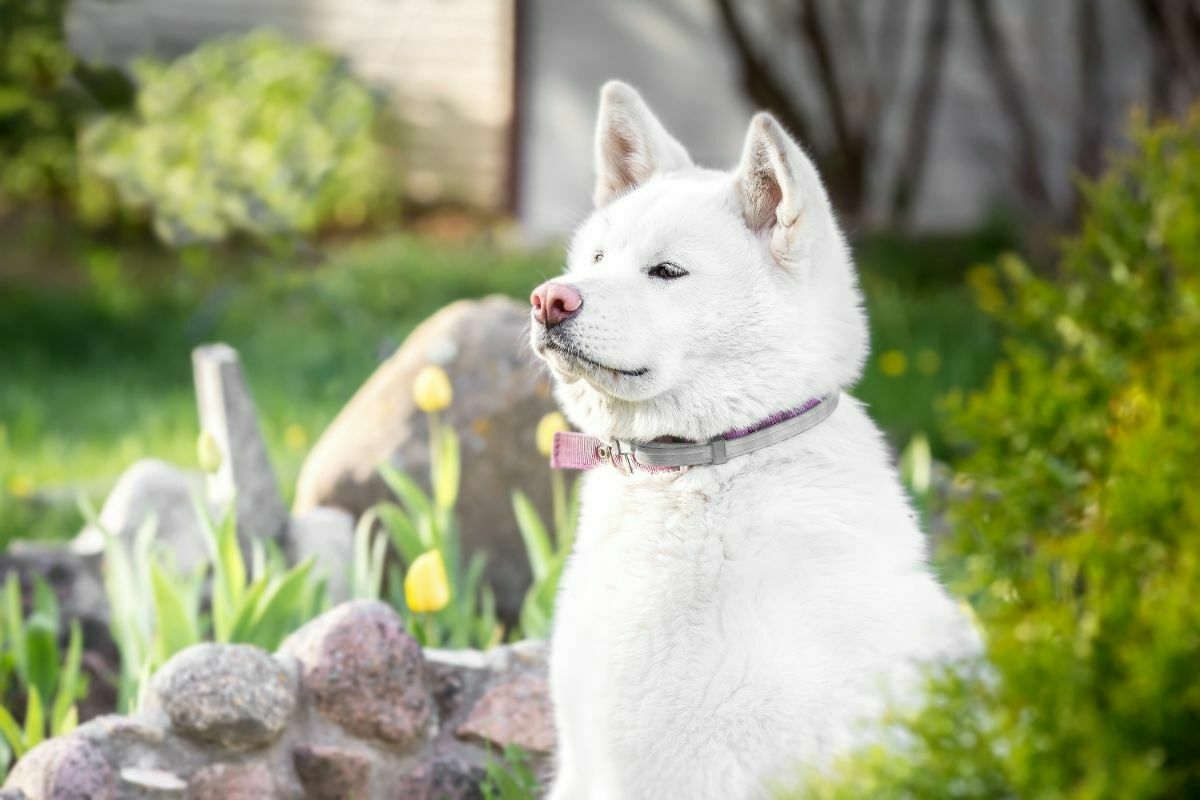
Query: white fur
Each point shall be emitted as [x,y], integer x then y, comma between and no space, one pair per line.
[718,631]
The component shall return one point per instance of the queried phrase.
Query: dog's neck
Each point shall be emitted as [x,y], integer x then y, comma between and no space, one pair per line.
[672,418]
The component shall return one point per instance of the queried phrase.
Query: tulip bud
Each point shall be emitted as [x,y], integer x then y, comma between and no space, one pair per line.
[426,586]
[431,389]
[549,425]
[208,452]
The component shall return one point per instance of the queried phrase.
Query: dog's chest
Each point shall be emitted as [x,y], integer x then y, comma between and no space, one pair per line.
[640,616]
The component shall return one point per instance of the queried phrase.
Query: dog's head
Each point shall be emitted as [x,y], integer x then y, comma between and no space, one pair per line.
[695,301]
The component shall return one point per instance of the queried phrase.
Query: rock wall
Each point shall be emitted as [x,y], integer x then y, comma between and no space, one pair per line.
[349,707]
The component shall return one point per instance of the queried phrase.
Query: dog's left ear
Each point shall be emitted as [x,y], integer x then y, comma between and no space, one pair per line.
[780,190]
[631,144]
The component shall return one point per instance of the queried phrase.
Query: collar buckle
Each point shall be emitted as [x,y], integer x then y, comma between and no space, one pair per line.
[622,453]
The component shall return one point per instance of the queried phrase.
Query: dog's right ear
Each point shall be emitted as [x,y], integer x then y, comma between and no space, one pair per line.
[781,193]
[631,144]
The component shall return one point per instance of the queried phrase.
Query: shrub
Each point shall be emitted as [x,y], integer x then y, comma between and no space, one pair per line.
[1079,546]
[37,112]
[253,134]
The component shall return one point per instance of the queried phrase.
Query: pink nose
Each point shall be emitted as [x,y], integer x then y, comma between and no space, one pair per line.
[554,303]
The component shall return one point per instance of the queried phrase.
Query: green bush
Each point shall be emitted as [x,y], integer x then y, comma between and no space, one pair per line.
[253,134]
[37,111]
[1080,545]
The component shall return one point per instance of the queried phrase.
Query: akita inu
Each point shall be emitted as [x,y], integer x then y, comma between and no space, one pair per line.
[749,584]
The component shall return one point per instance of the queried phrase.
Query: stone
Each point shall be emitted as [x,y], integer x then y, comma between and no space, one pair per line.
[499,397]
[332,773]
[143,740]
[245,475]
[361,670]
[151,488]
[250,781]
[516,711]
[441,777]
[12,794]
[75,577]
[66,768]
[151,783]
[231,695]
[328,534]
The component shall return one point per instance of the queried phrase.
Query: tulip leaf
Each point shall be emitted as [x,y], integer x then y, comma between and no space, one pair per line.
[12,732]
[175,623]
[534,534]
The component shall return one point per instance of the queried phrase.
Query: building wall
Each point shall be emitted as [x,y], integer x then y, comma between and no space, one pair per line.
[446,64]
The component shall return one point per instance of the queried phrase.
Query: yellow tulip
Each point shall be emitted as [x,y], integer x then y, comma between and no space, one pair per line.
[431,389]
[426,586]
[208,452]
[549,425]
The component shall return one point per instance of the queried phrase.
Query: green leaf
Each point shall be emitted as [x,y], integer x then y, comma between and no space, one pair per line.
[35,719]
[448,465]
[416,503]
[43,662]
[175,622]
[12,732]
[45,601]
[232,563]
[14,623]
[68,723]
[538,548]
[400,527]
[240,631]
[69,688]
[280,605]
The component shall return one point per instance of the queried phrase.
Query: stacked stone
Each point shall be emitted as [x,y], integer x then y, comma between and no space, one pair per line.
[350,707]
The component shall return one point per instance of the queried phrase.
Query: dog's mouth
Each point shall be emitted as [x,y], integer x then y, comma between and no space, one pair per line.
[573,356]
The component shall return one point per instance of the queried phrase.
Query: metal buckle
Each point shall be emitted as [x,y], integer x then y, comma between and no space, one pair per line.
[624,461]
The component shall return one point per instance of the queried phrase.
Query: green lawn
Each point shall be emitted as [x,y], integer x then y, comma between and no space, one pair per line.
[95,370]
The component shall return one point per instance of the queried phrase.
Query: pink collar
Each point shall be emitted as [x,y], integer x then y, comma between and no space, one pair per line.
[581,451]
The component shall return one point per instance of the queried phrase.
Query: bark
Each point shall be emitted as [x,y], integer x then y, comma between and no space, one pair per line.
[1010,95]
[1093,111]
[919,135]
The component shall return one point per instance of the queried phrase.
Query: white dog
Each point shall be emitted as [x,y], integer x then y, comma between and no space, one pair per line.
[721,628]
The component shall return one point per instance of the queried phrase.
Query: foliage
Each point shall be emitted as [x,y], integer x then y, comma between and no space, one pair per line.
[369,563]
[259,606]
[32,668]
[423,523]
[510,777]
[1079,544]
[37,112]
[253,134]
[547,556]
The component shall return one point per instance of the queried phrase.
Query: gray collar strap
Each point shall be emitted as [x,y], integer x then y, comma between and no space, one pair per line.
[581,451]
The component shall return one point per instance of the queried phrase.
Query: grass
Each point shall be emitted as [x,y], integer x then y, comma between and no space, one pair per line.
[95,370]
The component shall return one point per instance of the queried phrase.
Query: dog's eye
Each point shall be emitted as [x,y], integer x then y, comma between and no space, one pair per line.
[667,271]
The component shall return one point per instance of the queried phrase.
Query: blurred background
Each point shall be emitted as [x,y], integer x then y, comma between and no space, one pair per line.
[308,180]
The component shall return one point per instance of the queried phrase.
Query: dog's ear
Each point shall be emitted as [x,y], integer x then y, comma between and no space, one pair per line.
[631,144]
[780,190]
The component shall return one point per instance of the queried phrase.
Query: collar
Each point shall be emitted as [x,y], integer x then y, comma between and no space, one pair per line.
[581,451]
